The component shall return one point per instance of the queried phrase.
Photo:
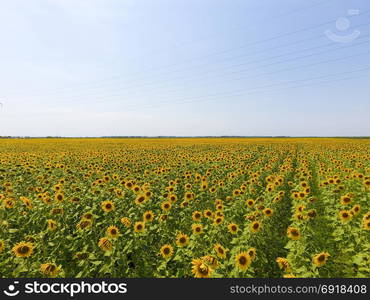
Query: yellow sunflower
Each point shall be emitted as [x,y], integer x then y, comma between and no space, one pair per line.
[182,240]
[233,228]
[148,216]
[107,206]
[105,244]
[200,269]
[197,228]
[112,231]
[139,227]
[126,222]
[23,249]
[293,233]
[220,251]
[243,261]
[49,269]
[320,259]
[166,251]
[255,226]
[345,216]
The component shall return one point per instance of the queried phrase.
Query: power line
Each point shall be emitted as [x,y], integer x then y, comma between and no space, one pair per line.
[253,75]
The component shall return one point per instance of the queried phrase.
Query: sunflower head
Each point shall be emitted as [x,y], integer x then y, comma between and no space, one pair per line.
[182,240]
[200,269]
[126,222]
[366,224]
[105,244]
[52,225]
[210,261]
[255,226]
[293,233]
[112,231]
[139,227]
[233,228]
[23,249]
[243,261]
[197,228]
[345,216]
[107,206]
[148,216]
[268,212]
[283,264]
[197,215]
[320,259]
[220,251]
[166,205]
[252,252]
[166,251]
[49,269]
[2,246]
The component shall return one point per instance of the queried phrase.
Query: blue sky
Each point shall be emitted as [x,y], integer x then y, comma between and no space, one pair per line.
[184,67]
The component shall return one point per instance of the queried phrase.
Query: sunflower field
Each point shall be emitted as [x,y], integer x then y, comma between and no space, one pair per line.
[182,207]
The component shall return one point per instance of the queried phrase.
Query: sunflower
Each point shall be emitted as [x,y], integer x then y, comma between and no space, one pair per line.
[23,249]
[184,203]
[49,269]
[255,226]
[344,200]
[200,269]
[105,244]
[52,225]
[196,215]
[112,231]
[252,252]
[249,202]
[220,251]
[26,201]
[9,203]
[59,197]
[208,214]
[320,259]
[197,228]
[242,261]
[283,264]
[345,216]
[172,198]
[233,228]
[148,216]
[2,246]
[84,224]
[210,261]
[166,251]
[140,199]
[126,222]
[366,224]
[218,220]
[166,205]
[356,209]
[182,240]
[268,212]
[293,233]
[107,206]
[139,227]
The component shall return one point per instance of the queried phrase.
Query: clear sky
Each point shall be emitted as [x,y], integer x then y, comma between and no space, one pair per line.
[184,67]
